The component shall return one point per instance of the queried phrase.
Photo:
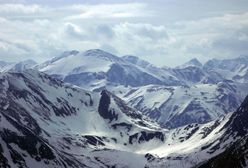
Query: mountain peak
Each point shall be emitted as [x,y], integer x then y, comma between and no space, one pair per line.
[96,51]
[195,62]
[192,62]
[136,61]
[131,58]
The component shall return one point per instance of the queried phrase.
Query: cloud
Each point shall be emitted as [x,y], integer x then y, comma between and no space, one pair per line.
[74,31]
[125,10]
[41,32]
[20,8]
[141,30]
[222,37]
[105,31]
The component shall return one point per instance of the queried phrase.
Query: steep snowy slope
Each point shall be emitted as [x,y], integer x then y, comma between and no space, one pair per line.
[47,123]
[59,125]
[164,74]
[190,73]
[223,141]
[234,69]
[96,68]
[192,62]
[21,66]
[5,65]
[16,67]
[182,105]
[236,154]
[182,95]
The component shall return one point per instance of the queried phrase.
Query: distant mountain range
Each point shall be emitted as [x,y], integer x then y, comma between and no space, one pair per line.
[190,93]
[166,95]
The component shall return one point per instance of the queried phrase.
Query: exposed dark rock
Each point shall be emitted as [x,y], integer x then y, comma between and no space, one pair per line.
[236,153]
[121,125]
[149,157]
[145,136]
[94,140]
[103,107]
[29,143]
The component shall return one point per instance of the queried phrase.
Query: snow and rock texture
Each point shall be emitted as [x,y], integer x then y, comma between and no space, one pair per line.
[22,66]
[16,67]
[5,65]
[223,144]
[181,105]
[233,69]
[236,153]
[47,123]
[96,68]
[190,93]
[192,62]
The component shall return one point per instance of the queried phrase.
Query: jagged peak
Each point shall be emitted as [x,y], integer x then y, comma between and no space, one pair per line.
[192,62]
[131,58]
[136,60]
[95,50]
[101,53]
[195,61]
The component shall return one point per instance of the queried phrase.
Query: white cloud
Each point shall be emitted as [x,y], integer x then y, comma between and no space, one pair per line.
[221,37]
[124,10]
[128,28]
[21,8]
[141,30]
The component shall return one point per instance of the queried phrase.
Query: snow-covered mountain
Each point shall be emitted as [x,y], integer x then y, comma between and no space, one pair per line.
[96,68]
[164,74]
[224,144]
[193,72]
[22,66]
[236,132]
[181,105]
[5,65]
[16,67]
[192,62]
[47,123]
[167,95]
[233,69]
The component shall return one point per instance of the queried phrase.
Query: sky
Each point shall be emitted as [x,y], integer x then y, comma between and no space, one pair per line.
[163,32]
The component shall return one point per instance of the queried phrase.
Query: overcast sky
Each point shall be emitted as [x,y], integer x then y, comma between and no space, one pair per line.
[164,32]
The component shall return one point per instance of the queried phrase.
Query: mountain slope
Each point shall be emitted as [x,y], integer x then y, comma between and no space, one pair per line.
[225,144]
[164,74]
[171,96]
[47,123]
[180,105]
[5,65]
[192,62]
[233,69]
[96,68]
[16,67]
[236,154]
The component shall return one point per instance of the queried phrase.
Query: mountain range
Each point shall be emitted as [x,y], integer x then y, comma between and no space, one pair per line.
[94,109]
[171,93]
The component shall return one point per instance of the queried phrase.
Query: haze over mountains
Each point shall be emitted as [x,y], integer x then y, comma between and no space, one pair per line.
[94,109]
